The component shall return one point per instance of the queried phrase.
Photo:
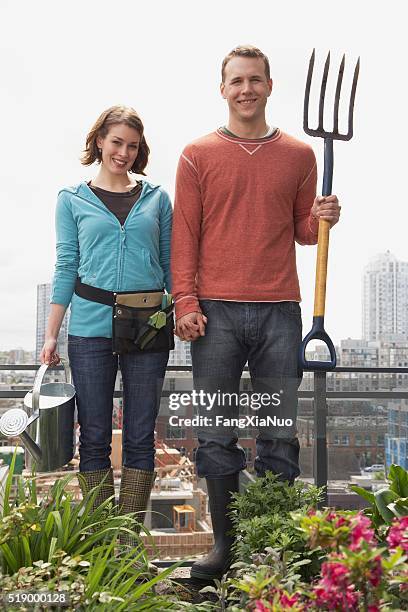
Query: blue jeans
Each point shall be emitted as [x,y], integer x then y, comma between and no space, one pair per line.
[267,336]
[94,370]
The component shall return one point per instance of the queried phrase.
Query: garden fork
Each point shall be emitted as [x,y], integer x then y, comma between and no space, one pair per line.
[318,332]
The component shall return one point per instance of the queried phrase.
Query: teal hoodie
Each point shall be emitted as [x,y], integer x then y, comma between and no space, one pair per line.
[92,244]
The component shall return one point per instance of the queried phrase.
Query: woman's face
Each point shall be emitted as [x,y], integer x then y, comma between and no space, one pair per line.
[119,148]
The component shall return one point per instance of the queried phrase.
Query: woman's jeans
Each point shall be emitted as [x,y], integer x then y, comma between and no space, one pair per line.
[267,336]
[94,370]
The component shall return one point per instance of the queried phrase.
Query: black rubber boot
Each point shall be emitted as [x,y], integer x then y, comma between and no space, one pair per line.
[218,561]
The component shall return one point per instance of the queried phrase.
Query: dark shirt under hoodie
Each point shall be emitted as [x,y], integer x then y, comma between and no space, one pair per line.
[119,203]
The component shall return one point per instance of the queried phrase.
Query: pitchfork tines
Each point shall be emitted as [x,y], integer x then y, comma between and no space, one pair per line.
[320,131]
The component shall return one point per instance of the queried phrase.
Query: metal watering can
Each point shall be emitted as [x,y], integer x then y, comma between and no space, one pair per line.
[46,427]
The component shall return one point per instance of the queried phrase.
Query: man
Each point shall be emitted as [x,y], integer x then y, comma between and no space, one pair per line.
[244,195]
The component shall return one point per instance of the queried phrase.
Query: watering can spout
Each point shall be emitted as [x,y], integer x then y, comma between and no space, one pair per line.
[32,447]
[14,423]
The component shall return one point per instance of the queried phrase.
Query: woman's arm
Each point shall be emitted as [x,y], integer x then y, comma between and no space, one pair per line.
[48,353]
[66,271]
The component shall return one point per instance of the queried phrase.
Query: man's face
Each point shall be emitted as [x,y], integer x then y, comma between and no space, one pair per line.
[246,88]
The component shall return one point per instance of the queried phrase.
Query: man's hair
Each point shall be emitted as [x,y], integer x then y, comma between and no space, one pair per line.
[116,115]
[246,51]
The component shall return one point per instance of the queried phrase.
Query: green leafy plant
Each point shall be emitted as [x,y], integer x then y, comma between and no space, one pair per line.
[388,502]
[262,520]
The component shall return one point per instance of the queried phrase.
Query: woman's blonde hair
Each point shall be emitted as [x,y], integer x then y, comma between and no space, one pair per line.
[114,116]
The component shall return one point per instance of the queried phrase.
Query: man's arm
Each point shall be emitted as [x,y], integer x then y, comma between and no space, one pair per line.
[185,249]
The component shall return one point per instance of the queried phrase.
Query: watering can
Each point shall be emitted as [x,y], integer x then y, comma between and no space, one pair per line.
[46,426]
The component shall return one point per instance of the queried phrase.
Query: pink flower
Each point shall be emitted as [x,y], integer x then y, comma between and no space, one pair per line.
[373,608]
[334,573]
[398,534]
[361,532]
[334,591]
[375,572]
[260,607]
[341,521]
[335,599]
[288,601]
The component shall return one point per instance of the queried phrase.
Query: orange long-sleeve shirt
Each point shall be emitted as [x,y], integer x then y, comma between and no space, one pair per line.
[240,206]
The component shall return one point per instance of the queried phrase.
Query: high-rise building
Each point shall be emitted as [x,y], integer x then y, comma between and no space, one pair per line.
[181,354]
[43,309]
[385,299]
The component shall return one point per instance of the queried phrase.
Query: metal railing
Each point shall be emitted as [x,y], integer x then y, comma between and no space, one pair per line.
[320,396]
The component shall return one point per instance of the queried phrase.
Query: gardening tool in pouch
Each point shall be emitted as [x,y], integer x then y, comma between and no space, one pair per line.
[141,320]
[138,323]
[318,332]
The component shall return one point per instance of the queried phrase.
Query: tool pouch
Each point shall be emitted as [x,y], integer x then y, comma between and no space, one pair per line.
[142,322]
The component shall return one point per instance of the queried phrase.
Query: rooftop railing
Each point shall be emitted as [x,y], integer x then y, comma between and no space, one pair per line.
[320,396]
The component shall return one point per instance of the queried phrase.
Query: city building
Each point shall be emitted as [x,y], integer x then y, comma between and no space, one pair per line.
[43,309]
[181,354]
[385,299]
[355,438]
[396,439]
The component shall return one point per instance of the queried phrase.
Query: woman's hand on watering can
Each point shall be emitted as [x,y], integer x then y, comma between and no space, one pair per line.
[48,353]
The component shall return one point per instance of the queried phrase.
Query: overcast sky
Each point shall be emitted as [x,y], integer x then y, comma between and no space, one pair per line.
[63,63]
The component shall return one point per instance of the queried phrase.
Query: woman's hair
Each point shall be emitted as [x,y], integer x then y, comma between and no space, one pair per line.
[114,116]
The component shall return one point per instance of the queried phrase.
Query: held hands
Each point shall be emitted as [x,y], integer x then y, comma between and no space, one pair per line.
[327,208]
[48,354]
[191,326]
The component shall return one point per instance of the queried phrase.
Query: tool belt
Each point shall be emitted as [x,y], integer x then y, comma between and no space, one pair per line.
[142,321]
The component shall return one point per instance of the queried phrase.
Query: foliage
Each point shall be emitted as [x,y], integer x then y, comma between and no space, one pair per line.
[32,529]
[97,581]
[357,574]
[274,573]
[56,544]
[262,520]
[389,502]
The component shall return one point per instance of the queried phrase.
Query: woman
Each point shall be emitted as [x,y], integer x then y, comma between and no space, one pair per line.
[113,235]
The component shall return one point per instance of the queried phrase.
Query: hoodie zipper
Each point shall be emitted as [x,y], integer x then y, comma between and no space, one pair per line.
[122,245]
[121,255]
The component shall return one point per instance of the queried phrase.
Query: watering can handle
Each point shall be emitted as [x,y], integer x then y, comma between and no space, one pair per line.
[67,370]
[35,406]
[39,379]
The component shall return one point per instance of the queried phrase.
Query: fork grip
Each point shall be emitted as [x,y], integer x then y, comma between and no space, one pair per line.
[323,236]
[328,167]
[321,268]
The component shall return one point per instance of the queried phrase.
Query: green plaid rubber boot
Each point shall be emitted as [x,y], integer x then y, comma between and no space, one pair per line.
[98,478]
[135,489]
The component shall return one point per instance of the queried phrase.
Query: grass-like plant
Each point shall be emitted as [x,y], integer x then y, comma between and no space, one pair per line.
[33,529]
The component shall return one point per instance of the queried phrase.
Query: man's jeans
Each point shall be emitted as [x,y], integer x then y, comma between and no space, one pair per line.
[94,370]
[267,336]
